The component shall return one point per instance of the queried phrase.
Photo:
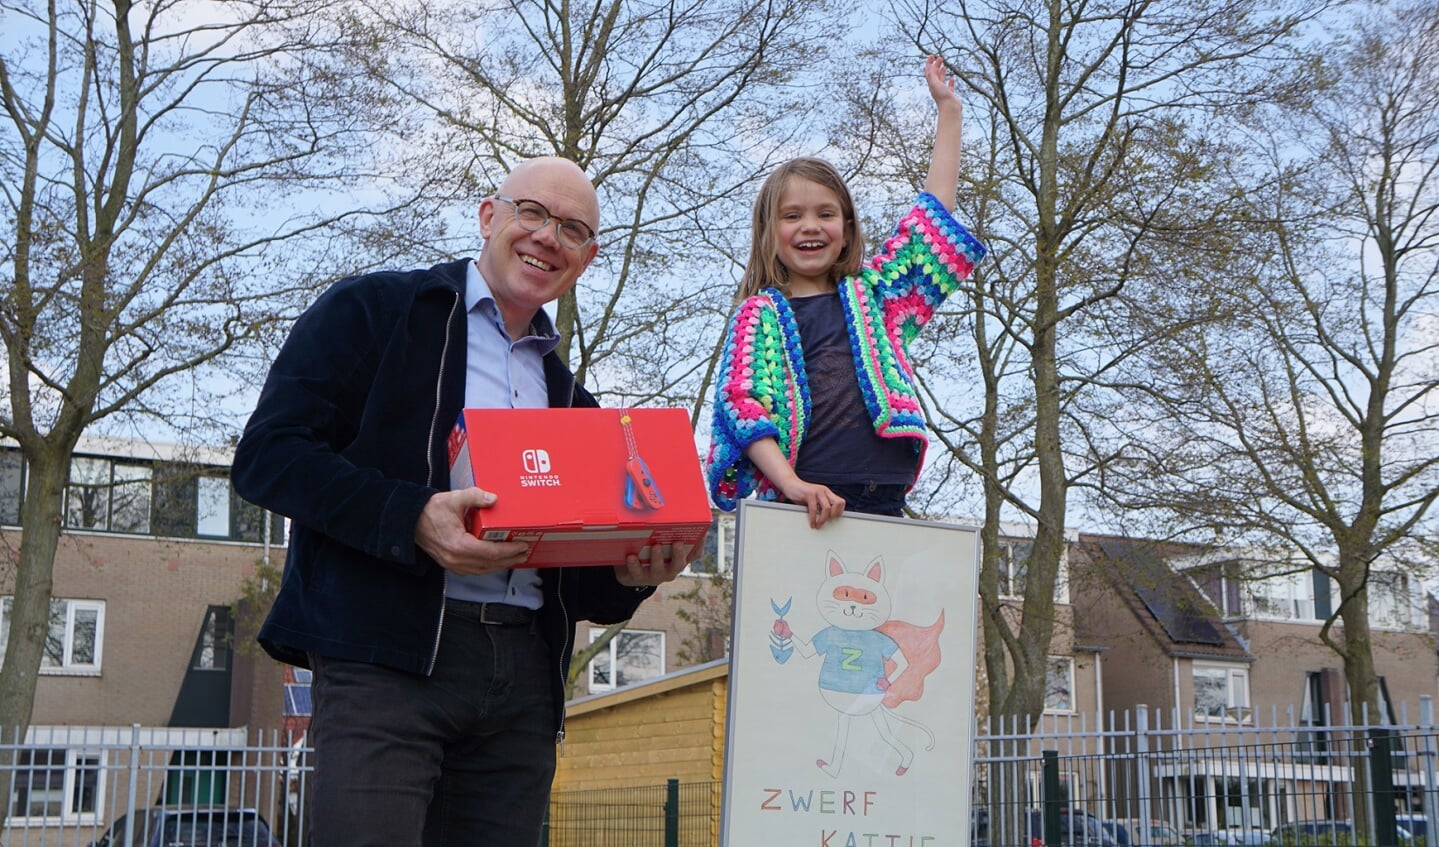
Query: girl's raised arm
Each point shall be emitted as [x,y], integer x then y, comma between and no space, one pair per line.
[943,178]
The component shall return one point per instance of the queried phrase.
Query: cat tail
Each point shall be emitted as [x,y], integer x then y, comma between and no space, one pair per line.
[920,645]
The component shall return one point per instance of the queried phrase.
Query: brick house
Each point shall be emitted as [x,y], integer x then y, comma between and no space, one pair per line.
[1224,640]
[149,572]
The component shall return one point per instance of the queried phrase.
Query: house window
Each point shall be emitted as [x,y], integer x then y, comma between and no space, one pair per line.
[55,784]
[1013,567]
[1059,685]
[212,507]
[718,556]
[213,651]
[1281,591]
[1284,596]
[12,484]
[631,656]
[107,495]
[1221,691]
[75,637]
[170,499]
[1392,603]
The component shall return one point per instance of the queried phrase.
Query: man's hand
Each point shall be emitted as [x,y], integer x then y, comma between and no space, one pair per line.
[658,569]
[441,532]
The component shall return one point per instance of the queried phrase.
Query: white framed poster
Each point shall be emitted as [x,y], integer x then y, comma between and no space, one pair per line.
[851,685]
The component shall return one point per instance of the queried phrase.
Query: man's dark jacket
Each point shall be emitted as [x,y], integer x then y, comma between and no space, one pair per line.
[348,440]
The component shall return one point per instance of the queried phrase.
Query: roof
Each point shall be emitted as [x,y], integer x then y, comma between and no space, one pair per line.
[146,450]
[696,675]
[1179,617]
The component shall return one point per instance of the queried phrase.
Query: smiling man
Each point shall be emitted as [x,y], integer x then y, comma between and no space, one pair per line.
[439,667]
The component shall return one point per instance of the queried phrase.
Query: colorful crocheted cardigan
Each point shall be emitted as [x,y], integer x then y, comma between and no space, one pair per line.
[762,390]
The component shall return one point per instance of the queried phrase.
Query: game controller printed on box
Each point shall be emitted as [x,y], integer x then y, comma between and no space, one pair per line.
[582,486]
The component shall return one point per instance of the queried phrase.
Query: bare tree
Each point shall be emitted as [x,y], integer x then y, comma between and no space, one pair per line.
[1086,168]
[158,161]
[673,109]
[1305,426]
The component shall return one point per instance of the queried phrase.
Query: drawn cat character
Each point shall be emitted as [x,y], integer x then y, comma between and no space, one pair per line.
[859,675]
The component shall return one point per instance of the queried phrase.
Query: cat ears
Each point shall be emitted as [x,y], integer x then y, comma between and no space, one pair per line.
[874,571]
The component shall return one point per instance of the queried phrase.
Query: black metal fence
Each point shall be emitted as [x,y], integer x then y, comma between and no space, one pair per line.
[1236,782]
[669,815]
[1069,781]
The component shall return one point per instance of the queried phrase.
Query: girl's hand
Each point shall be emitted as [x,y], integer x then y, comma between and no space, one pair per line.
[941,84]
[821,503]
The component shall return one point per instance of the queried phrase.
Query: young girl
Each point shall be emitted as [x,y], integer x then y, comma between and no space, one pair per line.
[815,402]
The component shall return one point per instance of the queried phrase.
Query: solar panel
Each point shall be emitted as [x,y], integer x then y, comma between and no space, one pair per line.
[297,701]
[1178,615]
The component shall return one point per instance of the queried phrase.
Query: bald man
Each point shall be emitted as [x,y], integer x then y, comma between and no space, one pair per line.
[439,667]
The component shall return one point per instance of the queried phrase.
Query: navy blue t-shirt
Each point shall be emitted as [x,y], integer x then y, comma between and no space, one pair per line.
[840,445]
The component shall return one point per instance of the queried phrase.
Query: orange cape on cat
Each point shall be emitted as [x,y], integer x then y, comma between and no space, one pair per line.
[920,646]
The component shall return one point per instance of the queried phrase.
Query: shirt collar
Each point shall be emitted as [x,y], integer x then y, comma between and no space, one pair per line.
[478,295]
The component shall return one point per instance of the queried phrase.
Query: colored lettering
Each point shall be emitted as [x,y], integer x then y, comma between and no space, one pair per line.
[850,662]
[831,838]
[765,804]
[798,804]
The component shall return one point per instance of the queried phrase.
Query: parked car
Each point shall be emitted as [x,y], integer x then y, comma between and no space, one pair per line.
[1132,832]
[1418,825]
[1323,832]
[1077,828]
[189,826]
[1232,837]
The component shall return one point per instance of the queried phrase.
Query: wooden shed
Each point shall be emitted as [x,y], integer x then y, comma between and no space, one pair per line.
[670,727]
[622,749]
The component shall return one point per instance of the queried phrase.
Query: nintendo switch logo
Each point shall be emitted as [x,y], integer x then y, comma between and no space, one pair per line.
[536,461]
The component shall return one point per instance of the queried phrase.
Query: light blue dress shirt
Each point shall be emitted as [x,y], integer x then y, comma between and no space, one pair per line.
[501,373]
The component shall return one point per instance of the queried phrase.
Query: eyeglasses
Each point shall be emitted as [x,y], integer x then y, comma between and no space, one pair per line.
[533,216]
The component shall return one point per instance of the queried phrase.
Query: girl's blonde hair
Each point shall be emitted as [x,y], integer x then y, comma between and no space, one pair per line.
[764,268]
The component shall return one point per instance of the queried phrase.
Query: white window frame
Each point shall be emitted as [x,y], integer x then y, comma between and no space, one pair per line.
[1236,692]
[93,759]
[1065,665]
[612,656]
[67,666]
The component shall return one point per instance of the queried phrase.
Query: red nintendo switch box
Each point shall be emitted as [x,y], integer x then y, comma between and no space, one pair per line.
[582,486]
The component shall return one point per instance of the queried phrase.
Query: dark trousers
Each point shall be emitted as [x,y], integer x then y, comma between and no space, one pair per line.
[460,758]
[872,498]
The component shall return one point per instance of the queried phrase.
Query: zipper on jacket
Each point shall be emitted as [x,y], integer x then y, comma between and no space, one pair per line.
[430,477]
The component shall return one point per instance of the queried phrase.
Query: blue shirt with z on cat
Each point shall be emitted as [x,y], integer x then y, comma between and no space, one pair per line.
[853,660]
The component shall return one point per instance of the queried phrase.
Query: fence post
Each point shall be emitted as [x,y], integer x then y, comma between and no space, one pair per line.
[1381,778]
[1052,803]
[1142,784]
[1429,754]
[672,813]
[134,772]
